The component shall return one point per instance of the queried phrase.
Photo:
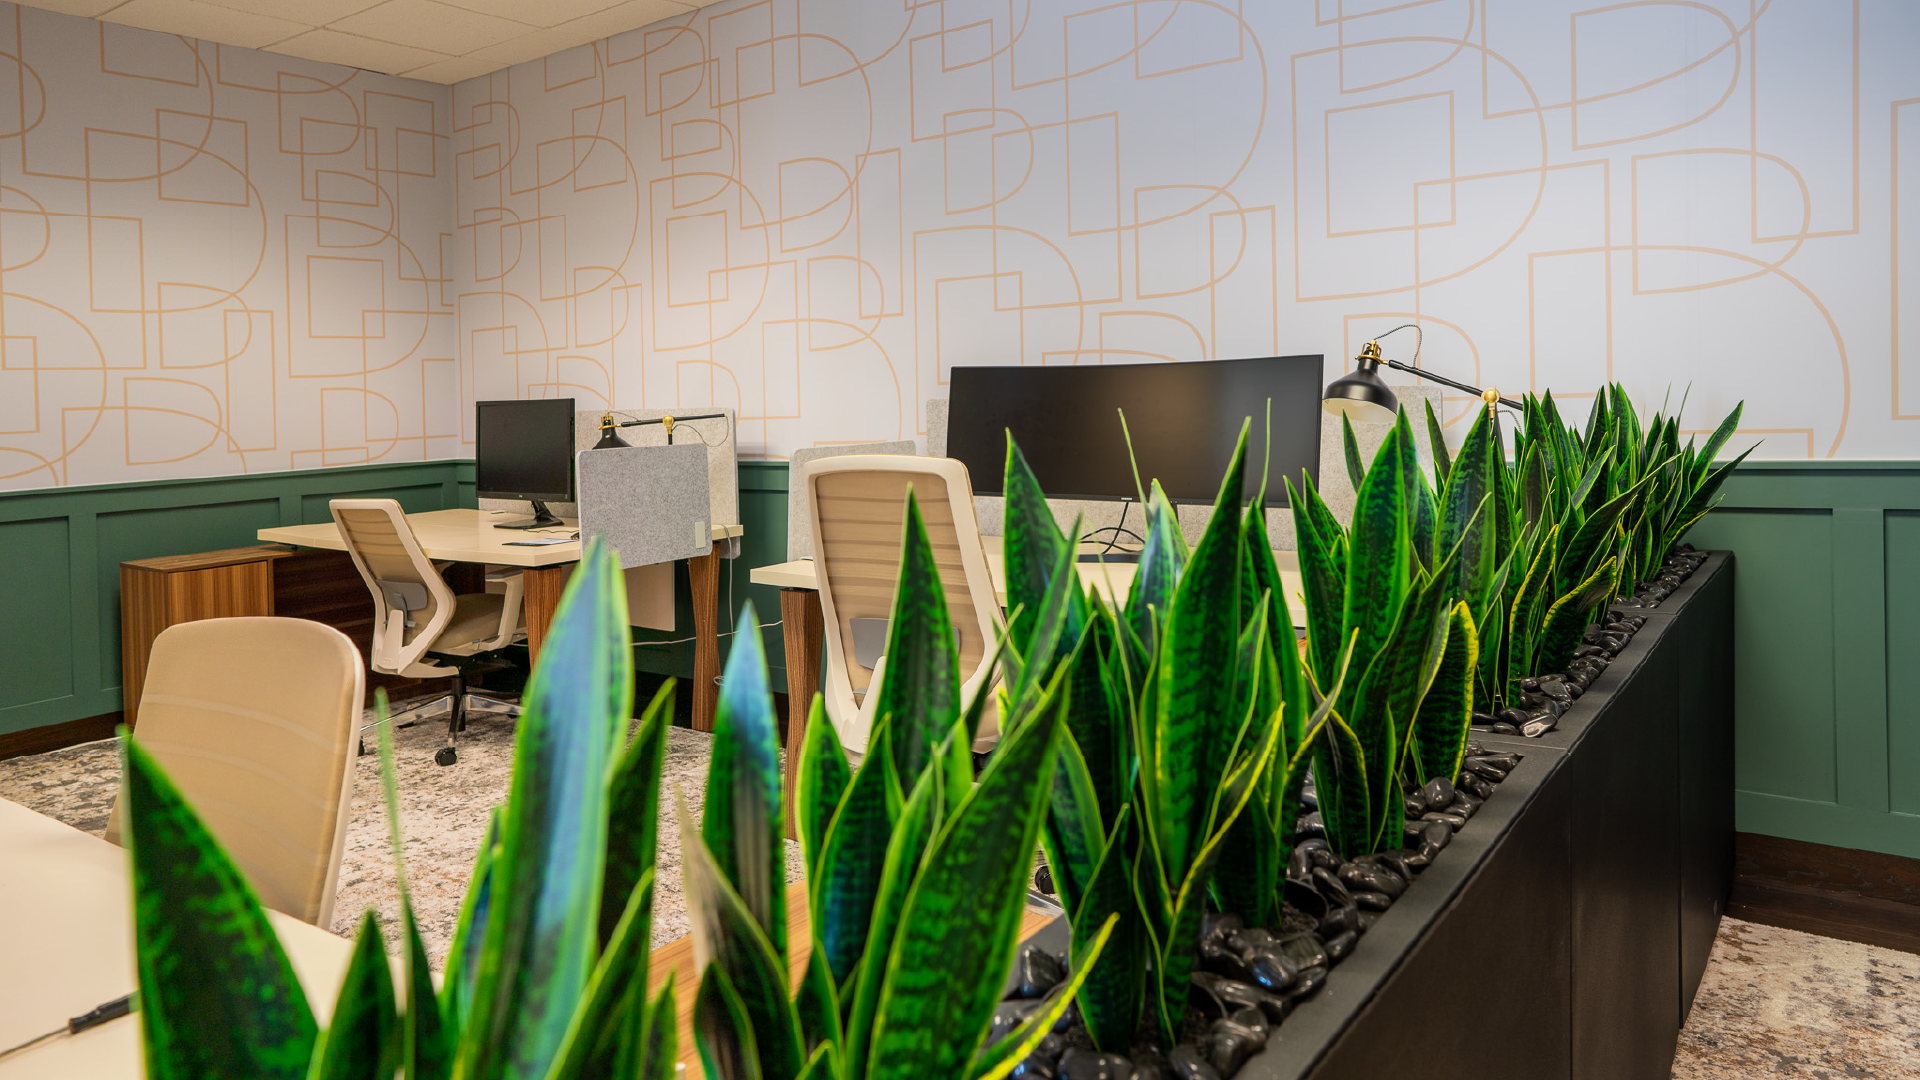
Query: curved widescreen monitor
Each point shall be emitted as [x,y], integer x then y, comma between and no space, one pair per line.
[1184,418]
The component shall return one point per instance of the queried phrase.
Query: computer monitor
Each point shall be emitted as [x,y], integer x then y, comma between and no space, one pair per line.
[524,450]
[1184,419]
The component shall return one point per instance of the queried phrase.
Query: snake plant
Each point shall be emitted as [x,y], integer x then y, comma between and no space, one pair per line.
[548,973]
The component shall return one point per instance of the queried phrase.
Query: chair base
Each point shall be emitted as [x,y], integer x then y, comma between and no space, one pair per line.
[457,704]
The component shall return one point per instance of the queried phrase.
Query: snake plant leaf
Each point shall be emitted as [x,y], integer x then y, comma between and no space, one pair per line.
[817,1005]
[1033,544]
[1575,559]
[1425,518]
[1195,712]
[1356,468]
[426,1039]
[363,1038]
[217,996]
[470,931]
[1446,712]
[1253,862]
[822,1065]
[1377,572]
[823,780]
[543,925]
[961,920]
[1533,484]
[1095,712]
[919,824]
[1162,560]
[1340,774]
[1437,441]
[998,1061]
[1322,575]
[1698,503]
[744,826]
[921,690]
[1466,510]
[1560,632]
[1721,434]
[723,1031]
[652,1052]
[1075,834]
[1185,901]
[852,861]
[728,935]
[633,811]
[601,1026]
[1114,972]
[1056,631]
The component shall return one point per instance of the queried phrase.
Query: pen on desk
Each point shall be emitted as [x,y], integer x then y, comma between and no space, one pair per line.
[92,1018]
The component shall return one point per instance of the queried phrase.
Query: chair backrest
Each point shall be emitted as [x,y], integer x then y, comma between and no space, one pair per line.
[412,603]
[256,720]
[857,506]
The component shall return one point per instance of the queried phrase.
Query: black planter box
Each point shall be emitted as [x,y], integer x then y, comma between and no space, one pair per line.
[1564,931]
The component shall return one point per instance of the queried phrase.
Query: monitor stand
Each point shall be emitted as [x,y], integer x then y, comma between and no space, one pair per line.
[1117,555]
[542,518]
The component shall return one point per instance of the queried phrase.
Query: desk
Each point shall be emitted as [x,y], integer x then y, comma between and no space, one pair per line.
[66,945]
[804,628]
[468,536]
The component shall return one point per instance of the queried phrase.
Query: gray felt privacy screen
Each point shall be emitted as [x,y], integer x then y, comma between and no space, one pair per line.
[650,502]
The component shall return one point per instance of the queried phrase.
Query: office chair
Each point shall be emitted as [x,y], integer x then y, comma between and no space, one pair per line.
[255,720]
[420,628]
[856,504]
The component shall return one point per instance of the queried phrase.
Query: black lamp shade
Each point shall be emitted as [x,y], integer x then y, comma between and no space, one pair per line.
[1361,396]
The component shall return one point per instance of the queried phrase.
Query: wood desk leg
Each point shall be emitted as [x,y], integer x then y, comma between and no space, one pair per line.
[541,587]
[803,628]
[703,577]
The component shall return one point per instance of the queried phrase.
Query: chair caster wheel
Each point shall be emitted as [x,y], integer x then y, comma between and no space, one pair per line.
[363,749]
[446,755]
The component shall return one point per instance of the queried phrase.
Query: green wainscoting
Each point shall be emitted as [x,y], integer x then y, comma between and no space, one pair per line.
[1827,648]
[61,550]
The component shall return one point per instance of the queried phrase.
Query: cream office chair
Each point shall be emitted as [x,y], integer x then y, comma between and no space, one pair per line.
[420,628]
[255,720]
[857,508]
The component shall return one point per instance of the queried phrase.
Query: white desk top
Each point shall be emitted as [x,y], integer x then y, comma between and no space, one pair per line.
[1112,579]
[66,945]
[462,536]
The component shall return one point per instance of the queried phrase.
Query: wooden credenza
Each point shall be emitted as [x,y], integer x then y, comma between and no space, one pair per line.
[264,579]
[157,593]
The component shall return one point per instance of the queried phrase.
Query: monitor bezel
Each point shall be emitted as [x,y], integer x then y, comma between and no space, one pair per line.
[573,480]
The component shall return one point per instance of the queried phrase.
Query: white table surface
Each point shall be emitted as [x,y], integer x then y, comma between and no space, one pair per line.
[1113,579]
[66,945]
[461,535]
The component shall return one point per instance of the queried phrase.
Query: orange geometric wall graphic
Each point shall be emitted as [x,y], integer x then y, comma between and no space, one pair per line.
[215,260]
[812,210]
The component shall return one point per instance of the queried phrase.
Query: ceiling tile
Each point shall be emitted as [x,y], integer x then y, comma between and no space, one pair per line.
[425,24]
[620,18]
[529,46]
[91,9]
[458,69]
[545,13]
[311,12]
[334,47]
[197,19]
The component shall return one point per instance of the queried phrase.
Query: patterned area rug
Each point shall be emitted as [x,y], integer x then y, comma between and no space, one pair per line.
[443,813]
[1780,1003]
[1774,1003]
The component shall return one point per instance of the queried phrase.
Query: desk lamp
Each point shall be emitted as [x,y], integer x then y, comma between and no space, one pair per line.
[610,433]
[1363,396]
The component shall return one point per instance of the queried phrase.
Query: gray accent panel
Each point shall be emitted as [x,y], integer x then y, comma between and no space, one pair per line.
[799,532]
[650,502]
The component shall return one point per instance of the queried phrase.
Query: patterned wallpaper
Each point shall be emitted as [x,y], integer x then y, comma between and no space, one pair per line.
[811,210]
[215,260]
